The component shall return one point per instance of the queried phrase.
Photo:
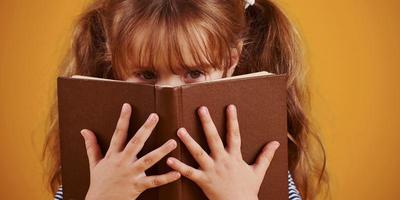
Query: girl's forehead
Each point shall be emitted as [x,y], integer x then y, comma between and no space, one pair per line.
[168,45]
[156,61]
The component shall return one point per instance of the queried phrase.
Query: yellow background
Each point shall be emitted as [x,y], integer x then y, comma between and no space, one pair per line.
[353,48]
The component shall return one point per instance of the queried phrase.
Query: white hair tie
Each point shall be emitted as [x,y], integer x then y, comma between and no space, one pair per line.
[249,3]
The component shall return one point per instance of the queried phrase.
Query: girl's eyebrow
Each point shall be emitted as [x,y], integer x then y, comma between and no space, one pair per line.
[139,69]
[179,69]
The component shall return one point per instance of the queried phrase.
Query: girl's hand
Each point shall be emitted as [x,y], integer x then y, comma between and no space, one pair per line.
[223,174]
[120,175]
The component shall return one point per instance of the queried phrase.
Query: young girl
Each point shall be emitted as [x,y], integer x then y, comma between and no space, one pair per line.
[177,42]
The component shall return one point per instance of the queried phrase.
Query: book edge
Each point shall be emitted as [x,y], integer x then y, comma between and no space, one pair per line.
[232,78]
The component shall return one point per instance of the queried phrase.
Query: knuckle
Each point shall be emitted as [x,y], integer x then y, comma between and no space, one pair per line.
[139,166]
[148,161]
[236,131]
[138,185]
[156,182]
[107,156]
[234,121]
[225,161]
[206,180]
[235,138]
[208,122]
[267,159]
[215,138]
[118,161]
[223,157]
[210,165]
[118,129]
[239,158]
[135,140]
[227,165]
[89,146]
[188,172]
[199,154]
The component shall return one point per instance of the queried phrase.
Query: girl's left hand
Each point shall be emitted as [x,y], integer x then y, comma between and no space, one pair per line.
[223,174]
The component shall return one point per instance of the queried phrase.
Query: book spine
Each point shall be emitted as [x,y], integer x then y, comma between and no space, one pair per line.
[168,108]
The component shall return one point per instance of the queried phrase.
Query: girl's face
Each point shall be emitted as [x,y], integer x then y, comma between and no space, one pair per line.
[164,76]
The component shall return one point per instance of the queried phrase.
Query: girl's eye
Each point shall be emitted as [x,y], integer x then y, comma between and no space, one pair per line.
[195,75]
[147,75]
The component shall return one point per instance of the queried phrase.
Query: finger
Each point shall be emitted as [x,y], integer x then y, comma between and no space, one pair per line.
[213,139]
[136,143]
[187,171]
[158,180]
[195,149]
[120,133]
[92,148]
[264,159]
[154,156]
[233,133]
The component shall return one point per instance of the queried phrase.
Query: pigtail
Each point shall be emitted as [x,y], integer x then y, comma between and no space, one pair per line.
[91,51]
[89,55]
[273,44]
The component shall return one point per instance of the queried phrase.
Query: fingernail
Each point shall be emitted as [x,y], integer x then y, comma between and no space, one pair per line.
[177,174]
[170,160]
[232,107]
[83,133]
[152,117]
[276,144]
[182,131]
[171,143]
[204,110]
[124,107]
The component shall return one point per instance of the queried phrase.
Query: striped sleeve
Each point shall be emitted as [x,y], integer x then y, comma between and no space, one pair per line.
[293,192]
[59,193]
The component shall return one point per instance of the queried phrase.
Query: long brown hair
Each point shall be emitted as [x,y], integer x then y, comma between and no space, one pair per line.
[113,36]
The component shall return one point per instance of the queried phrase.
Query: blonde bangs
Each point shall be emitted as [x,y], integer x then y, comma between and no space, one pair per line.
[179,44]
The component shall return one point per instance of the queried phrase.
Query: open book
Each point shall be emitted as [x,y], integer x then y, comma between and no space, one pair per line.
[95,104]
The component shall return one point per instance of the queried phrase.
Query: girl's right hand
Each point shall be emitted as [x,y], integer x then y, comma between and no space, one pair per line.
[120,175]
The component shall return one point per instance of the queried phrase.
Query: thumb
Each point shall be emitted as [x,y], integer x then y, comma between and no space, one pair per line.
[265,157]
[92,148]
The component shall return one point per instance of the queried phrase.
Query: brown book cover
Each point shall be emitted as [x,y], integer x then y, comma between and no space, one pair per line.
[95,104]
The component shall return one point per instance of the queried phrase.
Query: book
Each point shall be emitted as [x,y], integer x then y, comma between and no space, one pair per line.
[95,104]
